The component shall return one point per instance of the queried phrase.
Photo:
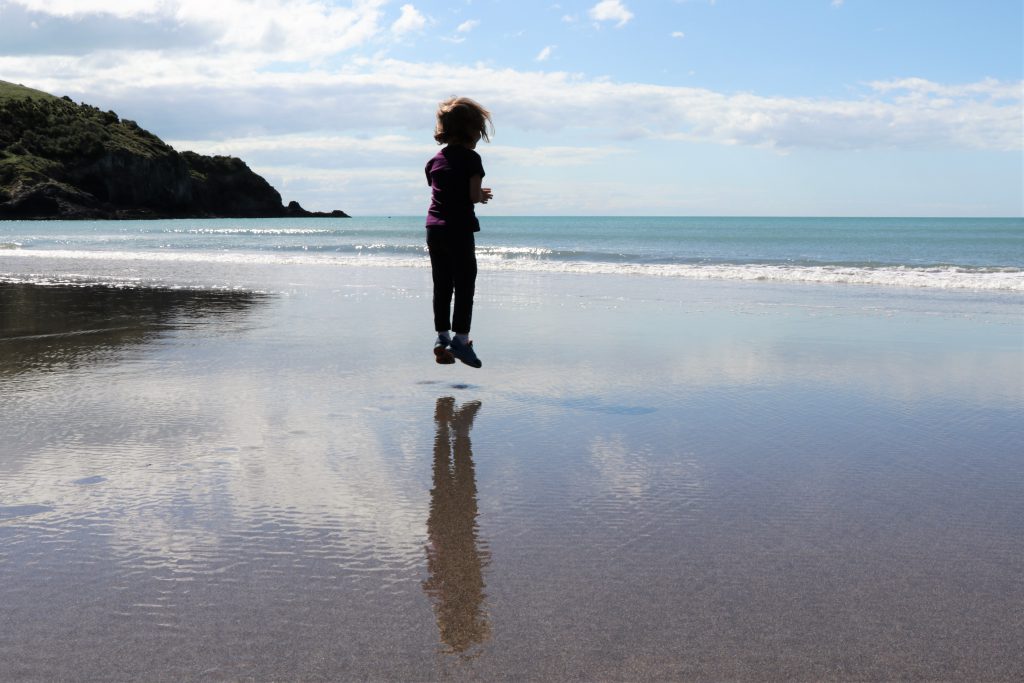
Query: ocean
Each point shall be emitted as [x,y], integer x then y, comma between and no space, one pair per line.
[979,254]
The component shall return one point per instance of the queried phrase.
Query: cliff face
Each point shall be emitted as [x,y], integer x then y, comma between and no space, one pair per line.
[124,179]
[214,178]
[59,159]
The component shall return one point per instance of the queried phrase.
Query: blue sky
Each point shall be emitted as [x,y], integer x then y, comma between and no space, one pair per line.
[671,107]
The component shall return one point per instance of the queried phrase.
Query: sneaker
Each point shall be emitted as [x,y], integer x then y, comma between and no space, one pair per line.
[441,353]
[464,352]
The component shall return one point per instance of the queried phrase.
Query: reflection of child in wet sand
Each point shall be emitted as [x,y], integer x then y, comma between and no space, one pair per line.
[454,175]
[455,562]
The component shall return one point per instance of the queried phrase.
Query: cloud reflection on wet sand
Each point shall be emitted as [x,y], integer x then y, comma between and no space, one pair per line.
[287,487]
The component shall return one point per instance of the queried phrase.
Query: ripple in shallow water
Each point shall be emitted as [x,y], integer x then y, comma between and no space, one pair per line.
[13,511]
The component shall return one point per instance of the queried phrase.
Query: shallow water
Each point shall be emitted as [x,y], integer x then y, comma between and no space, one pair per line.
[646,480]
[976,254]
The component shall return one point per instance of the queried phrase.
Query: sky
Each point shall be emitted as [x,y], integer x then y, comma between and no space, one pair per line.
[600,107]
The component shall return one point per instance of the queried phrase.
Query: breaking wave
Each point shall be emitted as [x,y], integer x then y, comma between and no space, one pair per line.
[533,260]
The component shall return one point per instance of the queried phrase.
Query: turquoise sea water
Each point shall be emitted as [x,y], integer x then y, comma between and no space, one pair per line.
[946,253]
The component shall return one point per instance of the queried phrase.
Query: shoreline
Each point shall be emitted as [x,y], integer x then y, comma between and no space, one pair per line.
[895,278]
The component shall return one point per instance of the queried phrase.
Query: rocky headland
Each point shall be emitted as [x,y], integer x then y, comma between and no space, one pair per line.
[62,160]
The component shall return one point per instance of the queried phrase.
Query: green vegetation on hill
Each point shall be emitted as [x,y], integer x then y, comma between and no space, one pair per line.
[12,91]
[59,159]
[38,135]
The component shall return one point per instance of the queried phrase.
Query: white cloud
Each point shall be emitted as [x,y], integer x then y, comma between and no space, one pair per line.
[467,26]
[551,155]
[920,87]
[231,86]
[326,171]
[410,20]
[611,10]
[232,94]
[241,30]
[837,3]
[331,153]
[304,143]
[76,8]
[678,34]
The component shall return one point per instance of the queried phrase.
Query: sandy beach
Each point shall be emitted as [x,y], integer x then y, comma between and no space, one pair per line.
[649,479]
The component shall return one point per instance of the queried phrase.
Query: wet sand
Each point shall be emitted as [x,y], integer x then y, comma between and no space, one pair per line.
[647,480]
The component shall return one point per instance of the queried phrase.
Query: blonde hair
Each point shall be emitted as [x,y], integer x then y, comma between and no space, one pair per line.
[459,119]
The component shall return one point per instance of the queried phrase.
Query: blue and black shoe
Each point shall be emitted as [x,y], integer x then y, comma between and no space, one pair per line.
[441,353]
[464,352]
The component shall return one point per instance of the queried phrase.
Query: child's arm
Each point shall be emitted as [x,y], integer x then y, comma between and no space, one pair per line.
[479,195]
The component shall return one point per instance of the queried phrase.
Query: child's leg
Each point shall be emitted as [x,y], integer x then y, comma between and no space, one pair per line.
[442,273]
[464,249]
[464,280]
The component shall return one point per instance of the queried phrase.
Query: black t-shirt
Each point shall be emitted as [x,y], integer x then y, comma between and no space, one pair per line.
[448,174]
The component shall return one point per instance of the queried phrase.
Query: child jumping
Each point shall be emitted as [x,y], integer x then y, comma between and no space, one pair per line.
[454,175]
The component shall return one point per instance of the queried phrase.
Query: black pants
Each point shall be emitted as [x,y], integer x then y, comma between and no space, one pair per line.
[453,266]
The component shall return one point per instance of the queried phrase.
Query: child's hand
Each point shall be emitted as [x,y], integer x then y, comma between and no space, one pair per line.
[485,194]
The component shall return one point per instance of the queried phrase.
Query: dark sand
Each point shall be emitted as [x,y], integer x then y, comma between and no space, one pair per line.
[648,480]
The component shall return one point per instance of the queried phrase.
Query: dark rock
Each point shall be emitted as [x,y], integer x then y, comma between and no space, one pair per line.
[50,200]
[295,209]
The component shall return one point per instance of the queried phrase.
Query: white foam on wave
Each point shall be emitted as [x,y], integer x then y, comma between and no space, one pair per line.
[516,252]
[10,245]
[950,278]
[253,231]
[932,278]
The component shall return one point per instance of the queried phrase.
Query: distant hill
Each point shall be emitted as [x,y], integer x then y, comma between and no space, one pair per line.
[59,159]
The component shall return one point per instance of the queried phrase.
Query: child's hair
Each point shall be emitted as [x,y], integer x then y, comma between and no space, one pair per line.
[459,118]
